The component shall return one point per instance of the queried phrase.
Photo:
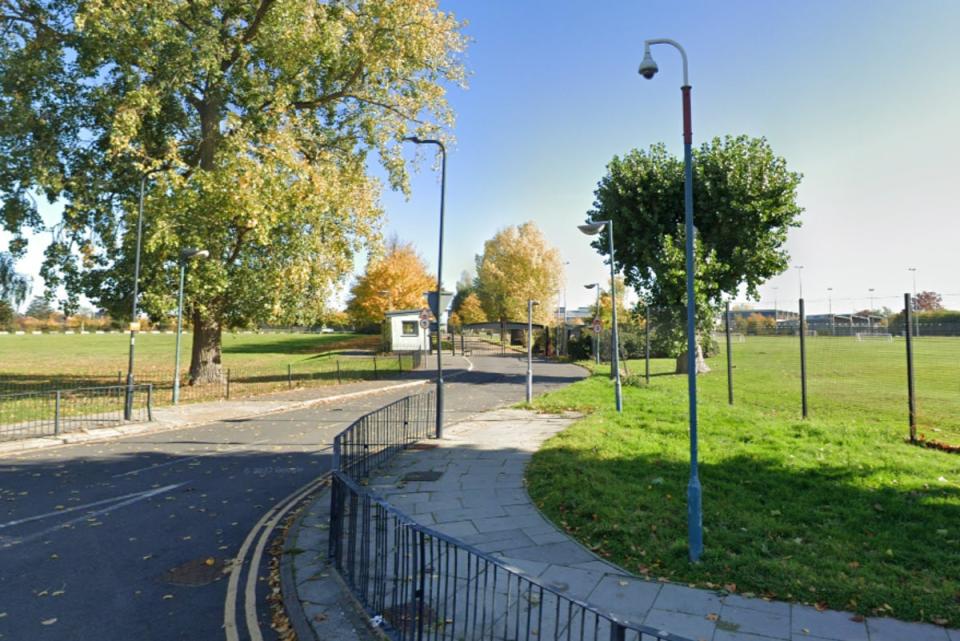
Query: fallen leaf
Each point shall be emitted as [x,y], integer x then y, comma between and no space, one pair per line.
[730,587]
[857,618]
[820,606]
[167,597]
[49,621]
[713,616]
[210,561]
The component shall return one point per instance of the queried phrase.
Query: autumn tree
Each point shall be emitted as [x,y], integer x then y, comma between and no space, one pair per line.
[396,280]
[745,202]
[253,123]
[517,264]
[471,310]
[928,302]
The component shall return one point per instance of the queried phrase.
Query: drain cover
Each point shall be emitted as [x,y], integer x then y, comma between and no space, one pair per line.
[425,475]
[195,573]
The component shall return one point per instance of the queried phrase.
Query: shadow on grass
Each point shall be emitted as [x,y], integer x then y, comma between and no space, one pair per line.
[305,344]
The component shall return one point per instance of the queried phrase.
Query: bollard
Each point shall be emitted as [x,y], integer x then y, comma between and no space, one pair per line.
[228,383]
[376,375]
[289,376]
[149,401]
[338,373]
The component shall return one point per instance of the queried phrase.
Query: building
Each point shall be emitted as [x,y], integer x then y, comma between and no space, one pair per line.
[402,331]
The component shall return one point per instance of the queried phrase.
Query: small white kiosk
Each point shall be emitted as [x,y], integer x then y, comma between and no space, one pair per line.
[402,331]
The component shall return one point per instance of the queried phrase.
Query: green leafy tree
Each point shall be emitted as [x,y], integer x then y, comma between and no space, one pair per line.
[745,202]
[257,121]
[39,308]
[14,286]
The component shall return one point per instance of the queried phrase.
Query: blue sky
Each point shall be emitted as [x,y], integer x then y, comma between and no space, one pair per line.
[860,96]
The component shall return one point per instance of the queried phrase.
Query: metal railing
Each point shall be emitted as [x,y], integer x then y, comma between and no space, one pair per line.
[54,412]
[421,585]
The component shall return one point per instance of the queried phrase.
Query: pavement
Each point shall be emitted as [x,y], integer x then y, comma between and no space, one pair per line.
[158,535]
[480,498]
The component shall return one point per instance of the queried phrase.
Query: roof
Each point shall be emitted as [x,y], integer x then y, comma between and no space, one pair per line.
[402,312]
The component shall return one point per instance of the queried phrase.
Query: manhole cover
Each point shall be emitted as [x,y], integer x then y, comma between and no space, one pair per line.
[426,475]
[195,573]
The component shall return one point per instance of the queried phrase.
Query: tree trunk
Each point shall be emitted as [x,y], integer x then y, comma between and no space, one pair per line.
[702,367]
[205,357]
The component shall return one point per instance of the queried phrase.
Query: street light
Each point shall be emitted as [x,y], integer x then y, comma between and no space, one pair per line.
[833,331]
[592,229]
[187,254]
[134,326]
[799,269]
[596,339]
[870,313]
[530,305]
[565,350]
[648,68]
[443,191]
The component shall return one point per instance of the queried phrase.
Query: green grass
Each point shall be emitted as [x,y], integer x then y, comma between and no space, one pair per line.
[835,510]
[258,363]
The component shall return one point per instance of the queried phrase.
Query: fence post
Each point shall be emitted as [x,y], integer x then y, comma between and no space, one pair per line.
[228,384]
[400,362]
[406,420]
[376,374]
[803,358]
[338,372]
[726,329]
[422,588]
[119,377]
[911,393]
[646,343]
[56,414]
[462,350]
[289,376]
[617,632]
[149,401]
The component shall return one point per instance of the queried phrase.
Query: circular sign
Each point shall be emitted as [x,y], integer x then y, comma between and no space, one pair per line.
[424,314]
[424,323]
[597,325]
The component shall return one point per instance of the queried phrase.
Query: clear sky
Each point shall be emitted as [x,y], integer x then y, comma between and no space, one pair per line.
[860,96]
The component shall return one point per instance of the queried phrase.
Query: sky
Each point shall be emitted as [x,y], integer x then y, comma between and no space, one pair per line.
[860,96]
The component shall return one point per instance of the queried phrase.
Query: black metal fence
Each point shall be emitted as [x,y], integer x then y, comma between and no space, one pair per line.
[51,413]
[419,584]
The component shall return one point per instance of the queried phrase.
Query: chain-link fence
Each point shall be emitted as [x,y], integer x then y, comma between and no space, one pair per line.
[866,361]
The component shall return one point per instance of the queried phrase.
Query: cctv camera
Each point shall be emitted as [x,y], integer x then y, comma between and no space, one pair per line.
[648,68]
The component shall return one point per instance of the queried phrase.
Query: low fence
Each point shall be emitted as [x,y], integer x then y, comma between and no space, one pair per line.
[419,584]
[50,413]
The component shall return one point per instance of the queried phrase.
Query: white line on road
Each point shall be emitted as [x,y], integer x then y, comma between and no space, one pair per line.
[130,501]
[157,466]
[85,506]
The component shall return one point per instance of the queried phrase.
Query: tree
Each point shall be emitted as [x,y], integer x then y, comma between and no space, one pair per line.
[396,280]
[744,205]
[471,310]
[39,308]
[928,302]
[14,287]
[257,120]
[517,264]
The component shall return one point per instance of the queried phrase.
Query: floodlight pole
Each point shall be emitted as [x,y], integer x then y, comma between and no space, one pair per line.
[443,191]
[694,490]
[916,331]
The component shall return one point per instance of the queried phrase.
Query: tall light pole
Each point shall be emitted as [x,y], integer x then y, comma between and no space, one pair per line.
[870,313]
[833,330]
[443,193]
[916,331]
[592,229]
[530,305]
[596,335]
[186,255]
[565,350]
[799,269]
[134,325]
[648,68]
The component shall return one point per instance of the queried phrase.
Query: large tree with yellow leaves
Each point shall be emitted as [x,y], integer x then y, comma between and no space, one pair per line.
[255,121]
[396,280]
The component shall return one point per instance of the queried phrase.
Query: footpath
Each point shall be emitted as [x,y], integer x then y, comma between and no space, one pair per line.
[173,417]
[480,498]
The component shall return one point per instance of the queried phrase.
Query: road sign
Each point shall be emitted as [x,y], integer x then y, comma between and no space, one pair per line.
[424,314]
[445,299]
[424,323]
[597,325]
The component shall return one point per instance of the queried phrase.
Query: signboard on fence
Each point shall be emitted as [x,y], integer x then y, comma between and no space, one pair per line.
[424,323]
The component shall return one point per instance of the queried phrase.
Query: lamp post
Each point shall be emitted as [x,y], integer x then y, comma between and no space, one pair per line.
[592,229]
[833,330]
[648,68]
[916,331]
[443,191]
[186,255]
[134,326]
[565,350]
[870,313]
[799,269]
[596,335]
[530,305]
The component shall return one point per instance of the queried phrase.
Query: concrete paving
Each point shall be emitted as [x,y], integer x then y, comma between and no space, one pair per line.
[480,498]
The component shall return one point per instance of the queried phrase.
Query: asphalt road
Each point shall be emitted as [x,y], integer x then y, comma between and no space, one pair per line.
[128,539]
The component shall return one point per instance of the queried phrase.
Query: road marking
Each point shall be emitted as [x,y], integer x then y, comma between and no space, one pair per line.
[130,501]
[157,466]
[263,528]
[70,509]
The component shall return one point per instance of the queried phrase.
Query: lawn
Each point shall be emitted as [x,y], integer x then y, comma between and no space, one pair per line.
[836,510]
[257,363]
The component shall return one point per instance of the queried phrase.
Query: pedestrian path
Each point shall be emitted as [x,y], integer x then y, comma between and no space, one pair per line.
[480,498]
[190,414]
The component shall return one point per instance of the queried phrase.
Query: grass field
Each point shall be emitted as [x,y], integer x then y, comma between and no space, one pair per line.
[257,363]
[836,510]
